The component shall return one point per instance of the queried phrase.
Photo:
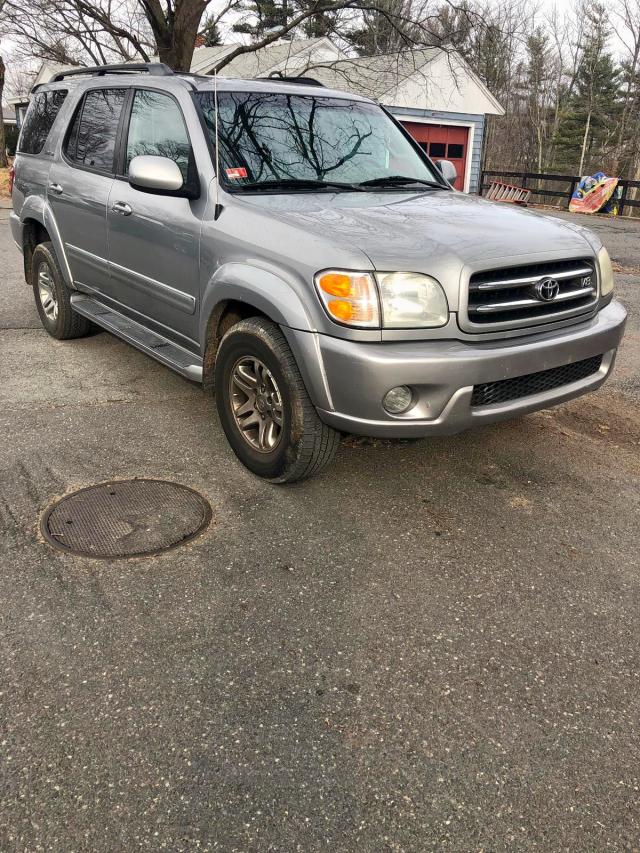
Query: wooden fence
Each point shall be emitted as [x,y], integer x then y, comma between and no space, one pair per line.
[536,181]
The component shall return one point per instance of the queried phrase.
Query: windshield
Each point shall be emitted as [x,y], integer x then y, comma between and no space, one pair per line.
[276,139]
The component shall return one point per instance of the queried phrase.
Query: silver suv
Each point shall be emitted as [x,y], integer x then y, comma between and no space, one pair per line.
[295,249]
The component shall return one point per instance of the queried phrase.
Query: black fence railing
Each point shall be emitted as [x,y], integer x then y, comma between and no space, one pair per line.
[537,181]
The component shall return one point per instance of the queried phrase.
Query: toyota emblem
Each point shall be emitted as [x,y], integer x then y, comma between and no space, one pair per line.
[547,289]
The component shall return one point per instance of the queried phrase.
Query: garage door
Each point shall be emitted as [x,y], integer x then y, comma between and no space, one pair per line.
[443,142]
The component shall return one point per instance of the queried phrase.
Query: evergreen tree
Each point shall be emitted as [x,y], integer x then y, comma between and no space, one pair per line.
[320,25]
[387,29]
[455,26]
[262,16]
[210,34]
[587,128]
[627,156]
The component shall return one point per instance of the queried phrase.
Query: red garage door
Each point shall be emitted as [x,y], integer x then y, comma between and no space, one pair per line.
[443,142]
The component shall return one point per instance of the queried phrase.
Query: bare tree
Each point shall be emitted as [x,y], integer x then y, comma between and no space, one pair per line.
[3,145]
[626,25]
[77,32]
[97,31]
[19,77]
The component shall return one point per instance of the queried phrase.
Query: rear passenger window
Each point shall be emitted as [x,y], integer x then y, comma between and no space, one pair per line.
[157,127]
[39,120]
[92,138]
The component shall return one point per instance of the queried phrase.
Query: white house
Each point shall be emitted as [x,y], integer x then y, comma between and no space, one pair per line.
[8,116]
[19,103]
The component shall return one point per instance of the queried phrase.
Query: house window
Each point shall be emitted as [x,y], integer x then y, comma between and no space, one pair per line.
[455,152]
[437,149]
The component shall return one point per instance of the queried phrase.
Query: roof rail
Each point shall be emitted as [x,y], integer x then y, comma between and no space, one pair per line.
[282,78]
[156,69]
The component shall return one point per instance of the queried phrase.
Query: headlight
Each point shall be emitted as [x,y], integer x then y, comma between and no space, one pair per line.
[606,272]
[349,297]
[408,300]
[411,301]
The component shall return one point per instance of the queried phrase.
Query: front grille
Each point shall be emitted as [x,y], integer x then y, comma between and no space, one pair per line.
[534,383]
[508,298]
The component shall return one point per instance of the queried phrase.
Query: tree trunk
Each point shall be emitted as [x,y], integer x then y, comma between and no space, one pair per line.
[3,146]
[584,143]
[540,144]
[176,36]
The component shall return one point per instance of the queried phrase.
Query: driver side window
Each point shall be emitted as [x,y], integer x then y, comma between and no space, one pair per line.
[157,127]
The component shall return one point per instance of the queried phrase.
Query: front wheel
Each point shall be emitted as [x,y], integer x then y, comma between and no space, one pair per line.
[53,299]
[264,408]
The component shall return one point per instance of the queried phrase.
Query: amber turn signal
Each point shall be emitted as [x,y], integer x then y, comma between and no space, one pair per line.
[355,297]
[336,284]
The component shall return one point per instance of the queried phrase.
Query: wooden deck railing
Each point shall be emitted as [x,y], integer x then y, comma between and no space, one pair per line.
[533,181]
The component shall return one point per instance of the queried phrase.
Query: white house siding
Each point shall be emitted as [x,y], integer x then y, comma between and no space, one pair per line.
[474,121]
[444,83]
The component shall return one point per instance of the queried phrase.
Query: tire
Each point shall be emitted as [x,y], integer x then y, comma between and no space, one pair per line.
[53,298]
[274,430]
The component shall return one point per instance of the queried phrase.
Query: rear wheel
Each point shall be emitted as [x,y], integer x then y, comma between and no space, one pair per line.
[264,408]
[53,298]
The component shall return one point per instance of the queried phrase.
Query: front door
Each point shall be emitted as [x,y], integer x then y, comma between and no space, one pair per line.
[79,185]
[153,238]
[443,142]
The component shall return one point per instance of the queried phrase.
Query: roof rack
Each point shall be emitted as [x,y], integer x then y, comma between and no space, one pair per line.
[282,78]
[156,69]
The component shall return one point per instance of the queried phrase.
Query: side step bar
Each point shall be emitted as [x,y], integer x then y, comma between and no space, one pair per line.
[150,343]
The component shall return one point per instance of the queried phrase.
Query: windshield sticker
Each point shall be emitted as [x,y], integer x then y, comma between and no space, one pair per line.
[239,172]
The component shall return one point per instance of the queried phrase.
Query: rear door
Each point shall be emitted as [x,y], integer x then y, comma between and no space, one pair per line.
[36,145]
[154,238]
[79,183]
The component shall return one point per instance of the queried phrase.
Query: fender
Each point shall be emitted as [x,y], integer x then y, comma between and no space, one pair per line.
[35,207]
[271,294]
[260,287]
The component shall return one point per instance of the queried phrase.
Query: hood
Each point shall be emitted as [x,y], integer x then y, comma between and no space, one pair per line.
[441,233]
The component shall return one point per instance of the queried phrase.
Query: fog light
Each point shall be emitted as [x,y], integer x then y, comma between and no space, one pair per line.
[398,400]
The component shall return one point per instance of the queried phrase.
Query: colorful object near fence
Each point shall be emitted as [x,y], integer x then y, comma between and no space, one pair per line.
[594,194]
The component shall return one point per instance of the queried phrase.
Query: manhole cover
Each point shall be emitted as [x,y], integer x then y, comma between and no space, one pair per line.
[126,518]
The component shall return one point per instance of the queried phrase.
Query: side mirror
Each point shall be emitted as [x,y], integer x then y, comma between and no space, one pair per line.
[447,169]
[155,174]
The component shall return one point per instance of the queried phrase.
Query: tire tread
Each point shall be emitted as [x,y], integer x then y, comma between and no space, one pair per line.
[69,324]
[319,442]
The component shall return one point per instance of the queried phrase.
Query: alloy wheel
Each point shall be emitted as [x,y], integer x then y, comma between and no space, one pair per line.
[256,404]
[46,292]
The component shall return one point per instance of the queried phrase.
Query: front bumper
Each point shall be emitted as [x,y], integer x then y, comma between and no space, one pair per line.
[355,376]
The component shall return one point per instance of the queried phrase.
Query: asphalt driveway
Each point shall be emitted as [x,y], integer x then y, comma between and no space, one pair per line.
[434,645]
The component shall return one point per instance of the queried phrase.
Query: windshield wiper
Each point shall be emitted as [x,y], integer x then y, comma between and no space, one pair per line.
[298,184]
[400,180]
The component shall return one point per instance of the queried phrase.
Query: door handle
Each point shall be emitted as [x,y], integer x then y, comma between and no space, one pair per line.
[122,208]
[55,188]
